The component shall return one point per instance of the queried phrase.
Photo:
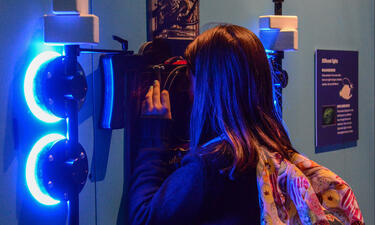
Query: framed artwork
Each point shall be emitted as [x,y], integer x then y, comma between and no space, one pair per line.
[173,19]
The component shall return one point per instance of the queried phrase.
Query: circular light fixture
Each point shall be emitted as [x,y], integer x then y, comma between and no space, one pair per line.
[29,87]
[32,179]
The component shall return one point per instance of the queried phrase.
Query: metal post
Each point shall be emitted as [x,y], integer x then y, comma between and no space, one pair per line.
[278,66]
[73,211]
[278,7]
[72,121]
[71,53]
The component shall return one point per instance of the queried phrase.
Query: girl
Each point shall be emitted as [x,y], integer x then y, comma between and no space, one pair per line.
[242,168]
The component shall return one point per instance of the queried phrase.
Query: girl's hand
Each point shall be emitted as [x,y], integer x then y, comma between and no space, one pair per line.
[156,104]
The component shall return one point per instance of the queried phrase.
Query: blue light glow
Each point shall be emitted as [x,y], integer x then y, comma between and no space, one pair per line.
[270,51]
[31,169]
[29,86]
[67,130]
[109,93]
[277,104]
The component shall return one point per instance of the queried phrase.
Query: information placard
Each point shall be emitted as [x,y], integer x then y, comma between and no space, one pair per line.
[336,97]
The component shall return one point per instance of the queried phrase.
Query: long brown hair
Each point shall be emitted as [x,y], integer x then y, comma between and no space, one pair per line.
[233,95]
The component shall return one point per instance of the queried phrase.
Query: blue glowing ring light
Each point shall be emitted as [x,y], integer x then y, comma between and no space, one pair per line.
[29,86]
[31,169]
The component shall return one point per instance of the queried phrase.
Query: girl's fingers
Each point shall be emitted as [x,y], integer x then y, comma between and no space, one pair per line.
[165,99]
[148,101]
[156,103]
[156,94]
[166,103]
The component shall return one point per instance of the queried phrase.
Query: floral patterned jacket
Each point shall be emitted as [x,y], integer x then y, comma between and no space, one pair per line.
[299,191]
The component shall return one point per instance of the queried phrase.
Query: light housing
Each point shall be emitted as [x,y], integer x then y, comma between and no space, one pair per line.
[108,93]
[32,176]
[29,87]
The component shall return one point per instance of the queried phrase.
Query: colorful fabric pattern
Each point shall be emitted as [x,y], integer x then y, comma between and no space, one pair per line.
[301,192]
